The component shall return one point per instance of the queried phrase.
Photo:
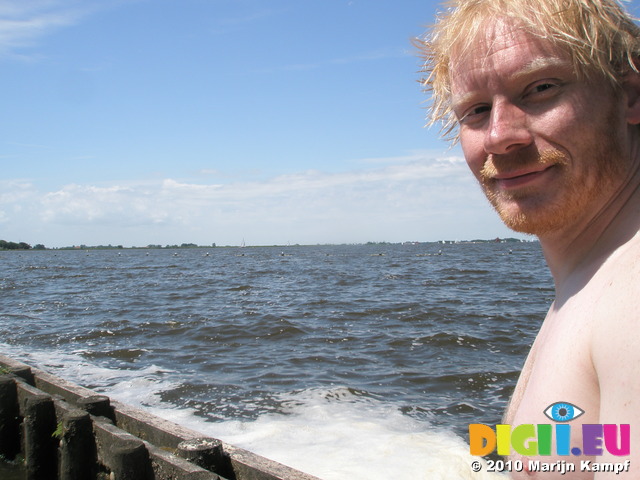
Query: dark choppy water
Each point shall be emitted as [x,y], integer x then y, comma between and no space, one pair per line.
[298,353]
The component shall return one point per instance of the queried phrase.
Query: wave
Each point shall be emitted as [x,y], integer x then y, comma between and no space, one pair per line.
[333,433]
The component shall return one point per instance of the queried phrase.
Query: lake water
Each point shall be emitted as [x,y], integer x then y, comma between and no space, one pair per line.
[346,362]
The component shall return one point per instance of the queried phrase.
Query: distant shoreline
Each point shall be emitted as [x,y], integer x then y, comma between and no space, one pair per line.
[21,247]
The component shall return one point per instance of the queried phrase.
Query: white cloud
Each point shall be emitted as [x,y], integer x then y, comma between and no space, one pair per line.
[14,191]
[25,22]
[420,199]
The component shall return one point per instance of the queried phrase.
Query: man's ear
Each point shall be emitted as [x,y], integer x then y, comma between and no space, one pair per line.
[631,88]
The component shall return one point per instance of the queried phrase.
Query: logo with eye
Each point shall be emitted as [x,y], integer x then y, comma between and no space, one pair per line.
[563,412]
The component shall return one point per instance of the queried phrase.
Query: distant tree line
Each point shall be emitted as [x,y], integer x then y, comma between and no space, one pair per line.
[4,245]
[184,245]
[111,247]
[92,247]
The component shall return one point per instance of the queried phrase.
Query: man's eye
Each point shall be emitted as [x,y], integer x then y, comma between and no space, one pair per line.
[563,412]
[542,87]
[474,112]
[480,109]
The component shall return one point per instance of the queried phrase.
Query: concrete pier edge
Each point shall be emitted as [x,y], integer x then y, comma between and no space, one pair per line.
[124,436]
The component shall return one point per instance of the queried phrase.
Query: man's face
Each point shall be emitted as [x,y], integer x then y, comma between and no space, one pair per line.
[547,147]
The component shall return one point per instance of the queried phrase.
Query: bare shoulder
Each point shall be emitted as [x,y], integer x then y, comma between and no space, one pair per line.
[616,335]
[616,288]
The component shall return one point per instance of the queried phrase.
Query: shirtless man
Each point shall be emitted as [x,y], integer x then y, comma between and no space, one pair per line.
[544,97]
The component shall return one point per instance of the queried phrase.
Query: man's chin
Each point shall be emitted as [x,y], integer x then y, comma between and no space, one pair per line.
[533,222]
[523,226]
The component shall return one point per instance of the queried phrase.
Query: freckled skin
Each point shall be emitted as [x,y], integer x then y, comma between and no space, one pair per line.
[559,157]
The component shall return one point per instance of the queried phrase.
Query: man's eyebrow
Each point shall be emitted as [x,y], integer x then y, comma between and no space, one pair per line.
[457,100]
[541,64]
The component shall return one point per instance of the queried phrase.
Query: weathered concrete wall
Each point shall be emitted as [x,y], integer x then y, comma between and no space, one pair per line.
[69,432]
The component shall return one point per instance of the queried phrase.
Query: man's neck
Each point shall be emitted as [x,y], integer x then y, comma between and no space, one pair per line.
[583,246]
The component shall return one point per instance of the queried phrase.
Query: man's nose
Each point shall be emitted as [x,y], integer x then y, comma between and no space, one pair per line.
[508,129]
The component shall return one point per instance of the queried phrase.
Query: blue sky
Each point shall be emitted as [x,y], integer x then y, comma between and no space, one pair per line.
[141,122]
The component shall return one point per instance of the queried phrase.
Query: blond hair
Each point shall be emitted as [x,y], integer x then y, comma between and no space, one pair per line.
[600,37]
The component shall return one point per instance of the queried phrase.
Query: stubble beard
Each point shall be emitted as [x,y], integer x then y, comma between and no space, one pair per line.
[541,211]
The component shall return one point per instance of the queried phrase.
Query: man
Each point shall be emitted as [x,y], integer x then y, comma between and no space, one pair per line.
[544,97]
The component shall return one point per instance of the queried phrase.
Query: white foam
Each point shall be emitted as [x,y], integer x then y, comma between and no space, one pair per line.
[330,433]
[334,434]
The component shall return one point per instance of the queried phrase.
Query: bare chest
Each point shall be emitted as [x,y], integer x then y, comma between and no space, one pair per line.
[558,370]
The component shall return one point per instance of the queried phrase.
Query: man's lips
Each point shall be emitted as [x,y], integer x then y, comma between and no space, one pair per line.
[521,177]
